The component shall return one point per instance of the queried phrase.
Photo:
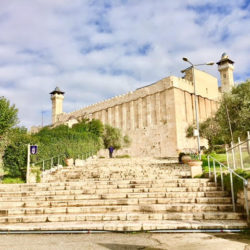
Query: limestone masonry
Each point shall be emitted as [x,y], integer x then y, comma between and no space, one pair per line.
[156,116]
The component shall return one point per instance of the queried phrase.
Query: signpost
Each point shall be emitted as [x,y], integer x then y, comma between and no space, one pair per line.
[32,150]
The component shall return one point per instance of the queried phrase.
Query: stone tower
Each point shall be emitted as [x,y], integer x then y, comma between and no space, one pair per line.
[57,97]
[225,67]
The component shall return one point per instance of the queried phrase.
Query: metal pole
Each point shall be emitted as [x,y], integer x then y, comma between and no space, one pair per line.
[245,184]
[232,189]
[248,142]
[51,162]
[209,170]
[221,176]
[58,160]
[227,157]
[196,114]
[241,159]
[229,122]
[215,177]
[28,164]
[43,165]
[234,164]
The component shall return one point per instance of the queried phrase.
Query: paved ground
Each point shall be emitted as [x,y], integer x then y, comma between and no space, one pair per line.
[119,241]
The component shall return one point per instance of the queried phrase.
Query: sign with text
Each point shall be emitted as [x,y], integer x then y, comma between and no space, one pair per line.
[33,149]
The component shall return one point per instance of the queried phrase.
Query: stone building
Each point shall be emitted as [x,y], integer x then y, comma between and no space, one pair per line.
[156,116]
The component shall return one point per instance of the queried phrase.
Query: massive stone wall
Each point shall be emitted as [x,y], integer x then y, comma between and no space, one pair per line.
[155,116]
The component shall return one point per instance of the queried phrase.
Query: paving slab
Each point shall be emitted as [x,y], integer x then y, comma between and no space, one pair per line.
[112,241]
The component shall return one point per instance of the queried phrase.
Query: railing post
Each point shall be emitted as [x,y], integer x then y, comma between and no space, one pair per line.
[221,176]
[209,170]
[232,145]
[248,142]
[245,184]
[51,162]
[241,159]
[43,165]
[215,177]
[246,199]
[228,165]
[232,189]
[58,160]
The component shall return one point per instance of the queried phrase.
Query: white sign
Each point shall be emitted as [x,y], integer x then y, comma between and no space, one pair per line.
[196,132]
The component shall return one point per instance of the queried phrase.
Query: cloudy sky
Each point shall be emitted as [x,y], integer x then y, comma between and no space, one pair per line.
[96,49]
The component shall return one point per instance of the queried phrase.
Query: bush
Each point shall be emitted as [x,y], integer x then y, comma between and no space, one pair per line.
[219,149]
[10,180]
[238,183]
[15,154]
[83,137]
[122,156]
[112,137]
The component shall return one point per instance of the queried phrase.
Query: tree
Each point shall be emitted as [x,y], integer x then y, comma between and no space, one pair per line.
[15,154]
[113,137]
[237,104]
[8,115]
[234,109]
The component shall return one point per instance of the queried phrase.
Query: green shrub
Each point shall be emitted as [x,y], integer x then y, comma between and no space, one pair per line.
[37,172]
[219,149]
[82,139]
[15,154]
[237,182]
[122,156]
[11,180]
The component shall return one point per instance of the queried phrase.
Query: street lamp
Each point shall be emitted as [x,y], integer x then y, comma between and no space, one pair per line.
[195,100]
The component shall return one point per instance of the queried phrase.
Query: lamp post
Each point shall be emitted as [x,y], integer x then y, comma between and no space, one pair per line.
[195,100]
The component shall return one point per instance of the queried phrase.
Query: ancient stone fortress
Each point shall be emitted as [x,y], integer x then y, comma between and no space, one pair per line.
[156,116]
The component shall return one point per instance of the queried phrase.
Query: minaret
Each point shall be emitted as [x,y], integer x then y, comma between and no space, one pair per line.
[225,67]
[57,97]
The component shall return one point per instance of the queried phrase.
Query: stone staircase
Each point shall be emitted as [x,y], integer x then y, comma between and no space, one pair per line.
[118,195]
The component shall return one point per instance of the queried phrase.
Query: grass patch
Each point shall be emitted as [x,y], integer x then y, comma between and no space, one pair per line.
[11,180]
[122,156]
[219,157]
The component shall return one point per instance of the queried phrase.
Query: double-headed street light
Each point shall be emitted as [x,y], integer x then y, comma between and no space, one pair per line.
[195,100]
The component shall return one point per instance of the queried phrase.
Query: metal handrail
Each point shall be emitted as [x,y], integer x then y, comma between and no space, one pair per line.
[80,156]
[231,172]
[237,145]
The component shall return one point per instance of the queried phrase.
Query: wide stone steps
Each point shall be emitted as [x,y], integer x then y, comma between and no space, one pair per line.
[111,186]
[62,202]
[120,217]
[110,178]
[117,195]
[114,193]
[147,208]
[124,226]
[107,181]
[74,195]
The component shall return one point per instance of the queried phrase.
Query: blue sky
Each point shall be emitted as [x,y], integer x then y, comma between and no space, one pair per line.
[96,49]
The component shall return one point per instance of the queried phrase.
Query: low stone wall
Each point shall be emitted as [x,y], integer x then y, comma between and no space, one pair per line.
[241,197]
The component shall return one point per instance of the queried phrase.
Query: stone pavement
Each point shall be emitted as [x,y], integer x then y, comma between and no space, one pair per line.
[117,241]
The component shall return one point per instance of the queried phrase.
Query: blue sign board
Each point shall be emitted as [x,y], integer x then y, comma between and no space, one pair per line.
[33,149]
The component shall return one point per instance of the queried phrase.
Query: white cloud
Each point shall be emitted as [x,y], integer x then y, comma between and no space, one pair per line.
[96,49]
